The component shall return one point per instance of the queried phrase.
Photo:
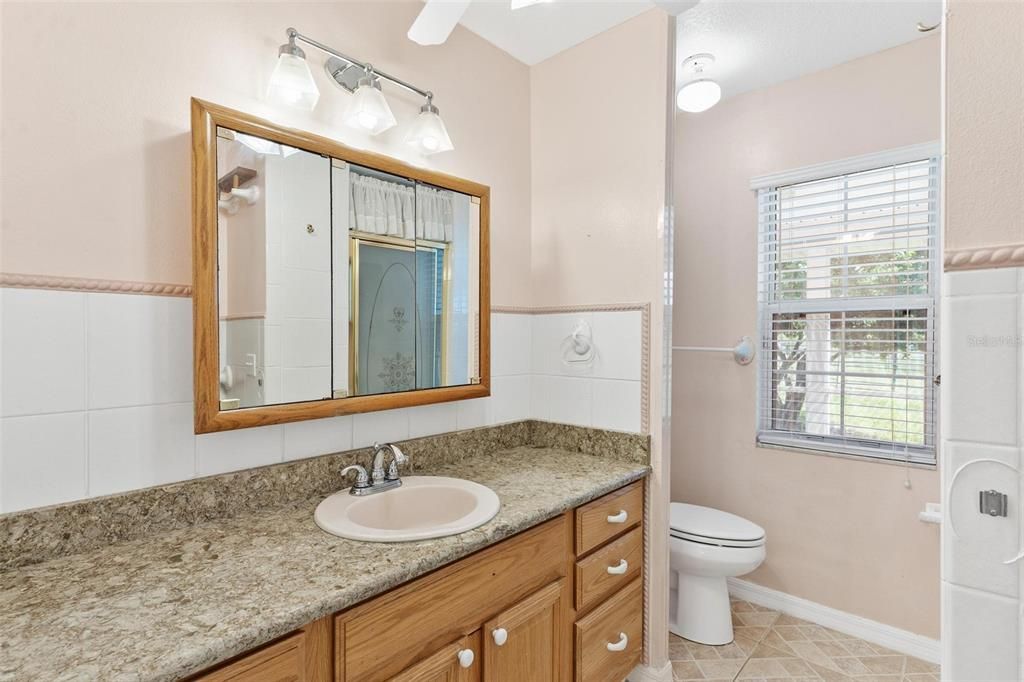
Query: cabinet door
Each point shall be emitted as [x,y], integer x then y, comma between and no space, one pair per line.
[525,642]
[457,662]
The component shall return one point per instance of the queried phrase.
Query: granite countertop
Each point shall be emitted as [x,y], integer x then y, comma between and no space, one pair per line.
[165,606]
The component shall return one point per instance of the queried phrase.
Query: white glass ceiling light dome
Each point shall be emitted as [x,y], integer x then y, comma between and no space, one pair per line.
[428,133]
[369,111]
[699,94]
[292,83]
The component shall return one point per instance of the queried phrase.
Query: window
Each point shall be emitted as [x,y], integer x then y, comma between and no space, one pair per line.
[848,284]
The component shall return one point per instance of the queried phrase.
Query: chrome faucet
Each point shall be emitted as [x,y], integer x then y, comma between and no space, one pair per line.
[379,479]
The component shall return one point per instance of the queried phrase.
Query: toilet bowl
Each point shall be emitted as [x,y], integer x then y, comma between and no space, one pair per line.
[706,546]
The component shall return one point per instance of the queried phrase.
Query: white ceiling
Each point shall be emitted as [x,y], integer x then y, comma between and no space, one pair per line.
[758,43]
[532,34]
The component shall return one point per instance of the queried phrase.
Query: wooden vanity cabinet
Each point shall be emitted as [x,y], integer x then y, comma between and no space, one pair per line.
[608,637]
[377,640]
[561,601]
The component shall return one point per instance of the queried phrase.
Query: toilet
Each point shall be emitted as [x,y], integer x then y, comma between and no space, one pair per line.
[706,546]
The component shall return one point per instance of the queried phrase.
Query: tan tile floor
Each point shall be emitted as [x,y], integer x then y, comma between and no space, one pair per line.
[773,646]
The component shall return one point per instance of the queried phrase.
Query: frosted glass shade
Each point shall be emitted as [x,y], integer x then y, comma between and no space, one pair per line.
[699,96]
[428,134]
[369,111]
[292,83]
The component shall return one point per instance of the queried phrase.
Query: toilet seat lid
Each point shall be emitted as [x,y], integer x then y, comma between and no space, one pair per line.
[713,524]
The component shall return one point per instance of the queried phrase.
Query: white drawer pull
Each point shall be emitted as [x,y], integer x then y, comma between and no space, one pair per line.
[466,657]
[618,518]
[620,569]
[500,636]
[619,645]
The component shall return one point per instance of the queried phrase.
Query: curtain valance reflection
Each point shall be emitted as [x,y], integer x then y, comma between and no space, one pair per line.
[388,208]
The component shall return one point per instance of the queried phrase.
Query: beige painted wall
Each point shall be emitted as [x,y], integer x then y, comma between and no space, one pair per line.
[598,197]
[843,533]
[984,124]
[102,92]
[598,161]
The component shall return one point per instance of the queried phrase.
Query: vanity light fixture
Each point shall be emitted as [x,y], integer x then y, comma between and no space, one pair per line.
[699,94]
[428,132]
[369,111]
[292,83]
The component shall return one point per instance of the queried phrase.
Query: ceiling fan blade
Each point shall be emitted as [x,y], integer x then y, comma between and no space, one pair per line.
[436,21]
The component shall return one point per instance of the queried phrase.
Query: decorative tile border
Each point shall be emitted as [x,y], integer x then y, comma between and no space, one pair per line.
[1005,256]
[108,286]
[34,535]
[645,340]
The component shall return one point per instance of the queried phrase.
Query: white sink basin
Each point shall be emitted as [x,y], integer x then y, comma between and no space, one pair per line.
[423,507]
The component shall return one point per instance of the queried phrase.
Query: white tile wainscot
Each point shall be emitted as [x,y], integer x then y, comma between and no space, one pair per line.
[605,393]
[97,391]
[982,365]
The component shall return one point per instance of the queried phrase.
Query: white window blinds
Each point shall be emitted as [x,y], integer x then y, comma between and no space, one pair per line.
[848,283]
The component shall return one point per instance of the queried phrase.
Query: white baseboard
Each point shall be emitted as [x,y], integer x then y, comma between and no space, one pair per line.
[645,673]
[890,637]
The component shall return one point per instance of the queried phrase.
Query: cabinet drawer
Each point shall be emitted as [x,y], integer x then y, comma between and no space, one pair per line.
[609,641]
[377,640]
[608,516]
[609,568]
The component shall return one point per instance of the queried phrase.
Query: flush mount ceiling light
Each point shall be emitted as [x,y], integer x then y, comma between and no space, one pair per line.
[292,84]
[428,132]
[701,93]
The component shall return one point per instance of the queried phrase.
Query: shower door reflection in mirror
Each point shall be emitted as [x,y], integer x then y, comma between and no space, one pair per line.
[412,293]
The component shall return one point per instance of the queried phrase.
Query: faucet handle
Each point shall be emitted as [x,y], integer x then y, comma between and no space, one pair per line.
[362,479]
[398,458]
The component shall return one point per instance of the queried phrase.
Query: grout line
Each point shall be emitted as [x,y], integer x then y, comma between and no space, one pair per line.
[87,446]
[91,410]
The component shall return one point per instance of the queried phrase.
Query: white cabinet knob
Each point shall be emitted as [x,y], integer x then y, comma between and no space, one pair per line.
[618,518]
[620,569]
[500,636]
[466,657]
[619,645]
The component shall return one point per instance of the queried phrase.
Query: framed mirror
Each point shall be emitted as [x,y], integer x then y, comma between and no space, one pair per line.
[329,280]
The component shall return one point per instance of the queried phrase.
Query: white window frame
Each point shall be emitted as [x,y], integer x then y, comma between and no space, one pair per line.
[884,451]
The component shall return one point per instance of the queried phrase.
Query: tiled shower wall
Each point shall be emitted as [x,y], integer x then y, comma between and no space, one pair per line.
[983,436]
[97,390]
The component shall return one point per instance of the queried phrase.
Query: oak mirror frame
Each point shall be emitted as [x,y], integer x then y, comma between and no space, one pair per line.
[213,414]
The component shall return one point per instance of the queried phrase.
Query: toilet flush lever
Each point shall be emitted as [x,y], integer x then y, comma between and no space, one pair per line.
[618,518]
